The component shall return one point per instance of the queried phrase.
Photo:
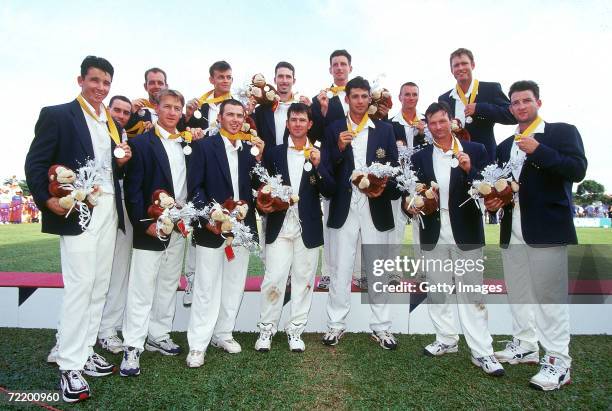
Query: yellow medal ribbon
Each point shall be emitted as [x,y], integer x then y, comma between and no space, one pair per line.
[414,122]
[336,89]
[306,149]
[148,103]
[359,128]
[112,128]
[185,135]
[455,146]
[238,136]
[205,100]
[472,95]
[529,130]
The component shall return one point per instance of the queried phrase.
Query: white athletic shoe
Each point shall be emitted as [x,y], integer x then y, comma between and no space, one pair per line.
[165,347]
[130,364]
[195,359]
[553,374]
[74,387]
[294,337]
[385,339]
[264,342]
[52,357]
[437,348]
[332,336]
[230,346]
[188,296]
[112,344]
[489,364]
[97,366]
[514,353]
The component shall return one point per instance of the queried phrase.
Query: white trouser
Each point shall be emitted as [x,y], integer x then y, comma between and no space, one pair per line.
[217,294]
[534,276]
[114,308]
[327,265]
[86,259]
[263,218]
[151,296]
[190,259]
[343,243]
[288,252]
[472,312]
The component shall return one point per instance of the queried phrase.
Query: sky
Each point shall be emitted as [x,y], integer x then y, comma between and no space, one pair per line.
[562,45]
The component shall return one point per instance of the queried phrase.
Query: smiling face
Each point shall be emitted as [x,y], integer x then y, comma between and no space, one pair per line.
[340,69]
[232,118]
[358,101]
[95,86]
[298,124]
[461,67]
[409,97]
[524,106]
[156,82]
[284,80]
[120,111]
[169,111]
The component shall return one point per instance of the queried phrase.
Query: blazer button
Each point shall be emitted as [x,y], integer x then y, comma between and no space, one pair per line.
[349,190]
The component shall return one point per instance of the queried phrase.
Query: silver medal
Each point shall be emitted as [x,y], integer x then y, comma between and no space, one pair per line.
[254,151]
[118,152]
[307,166]
[330,94]
[454,162]
[141,112]
[197,114]
[468,120]
[187,150]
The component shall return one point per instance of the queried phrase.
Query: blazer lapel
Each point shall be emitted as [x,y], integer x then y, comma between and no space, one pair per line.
[269,117]
[371,149]
[428,165]
[162,157]
[82,131]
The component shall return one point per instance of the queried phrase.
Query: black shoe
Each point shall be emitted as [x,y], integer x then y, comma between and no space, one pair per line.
[73,385]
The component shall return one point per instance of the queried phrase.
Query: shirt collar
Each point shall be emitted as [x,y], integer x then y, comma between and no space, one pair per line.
[102,116]
[459,146]
[370,123]
[229,146]
[290,143]
[399,118]
[455,95]
[538,129]
[162,132]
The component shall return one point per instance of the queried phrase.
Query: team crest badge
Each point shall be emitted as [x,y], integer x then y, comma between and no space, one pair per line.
[381,153]
[313,180]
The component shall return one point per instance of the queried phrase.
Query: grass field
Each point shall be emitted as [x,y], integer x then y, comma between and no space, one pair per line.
[24,248]
[356,374]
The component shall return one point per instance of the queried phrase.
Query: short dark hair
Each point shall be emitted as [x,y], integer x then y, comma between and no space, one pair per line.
[286,65]
[96,62]
[408,83]
[459,52]
[299,108]
[357,82]
[525,85]
[337,53]
[156,70]
[221,65]
[436,107]
[120,98]
[168,92]
[229,102]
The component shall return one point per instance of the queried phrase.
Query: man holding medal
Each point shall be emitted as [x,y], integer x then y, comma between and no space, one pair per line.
[202,112]
[454,232]
[354,142]
[293,236]
[70,134]
[477,104]
[161,156]
[143,110]
[120,109]
[220,170]
[545,159]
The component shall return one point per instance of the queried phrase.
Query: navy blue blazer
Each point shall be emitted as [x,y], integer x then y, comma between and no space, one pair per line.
[312,185]
[466,221]
[492,106]
[209,179]
[148,170]
[335,112]
[400,134]
[266,129]
[382,148]
[61,136]
[545,193]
